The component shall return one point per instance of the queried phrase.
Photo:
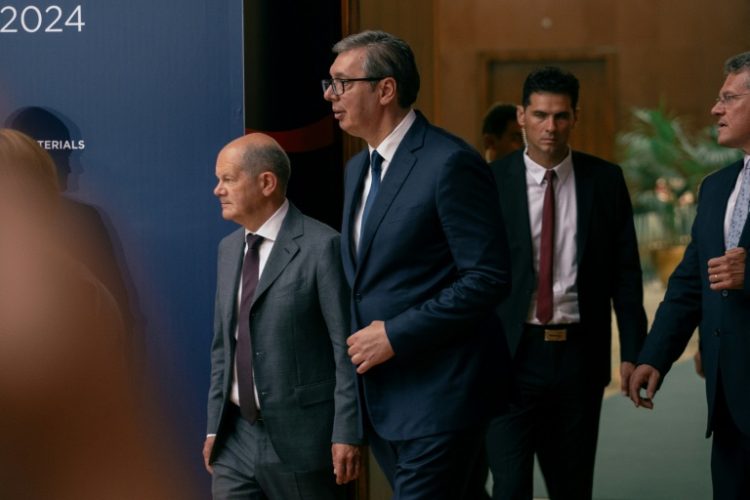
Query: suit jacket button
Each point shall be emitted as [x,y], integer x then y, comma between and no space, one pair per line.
[358,297]
[717,332]
[724,293]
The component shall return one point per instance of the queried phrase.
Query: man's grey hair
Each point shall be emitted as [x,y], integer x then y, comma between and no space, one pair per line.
[738,64]
[387,55]
[259,159]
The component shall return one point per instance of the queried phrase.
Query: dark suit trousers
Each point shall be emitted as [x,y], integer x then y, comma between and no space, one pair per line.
[248,468]
[555,416]
[428,468]
[730,454]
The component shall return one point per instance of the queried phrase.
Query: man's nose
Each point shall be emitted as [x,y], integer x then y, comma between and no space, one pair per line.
[328,94]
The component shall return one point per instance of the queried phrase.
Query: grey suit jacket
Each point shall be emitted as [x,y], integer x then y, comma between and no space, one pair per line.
[299,323]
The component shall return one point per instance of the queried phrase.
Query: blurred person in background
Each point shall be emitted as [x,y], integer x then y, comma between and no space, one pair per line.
[71,426]
[89,233]
[501,134]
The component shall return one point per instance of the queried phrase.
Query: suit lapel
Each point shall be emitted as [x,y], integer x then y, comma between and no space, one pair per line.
[398,170]
[584,201]
[284,250]
[230,270]
[355,179]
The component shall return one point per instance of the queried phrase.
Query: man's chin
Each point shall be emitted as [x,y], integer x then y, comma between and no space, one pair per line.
[723,140]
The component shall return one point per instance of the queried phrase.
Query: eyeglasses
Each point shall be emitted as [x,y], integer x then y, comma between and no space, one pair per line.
[728,99]
[338,85]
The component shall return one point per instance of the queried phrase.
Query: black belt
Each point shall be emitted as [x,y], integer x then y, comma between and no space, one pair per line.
[554,333]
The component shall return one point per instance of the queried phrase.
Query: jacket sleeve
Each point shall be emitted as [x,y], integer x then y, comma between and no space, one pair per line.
[216,391]
[680,312]
[334,302]
[627,293]
[470,217]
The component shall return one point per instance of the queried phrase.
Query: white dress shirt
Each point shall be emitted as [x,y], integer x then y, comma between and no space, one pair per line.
[270,232]
[386,149]
[564,264]
[733,197]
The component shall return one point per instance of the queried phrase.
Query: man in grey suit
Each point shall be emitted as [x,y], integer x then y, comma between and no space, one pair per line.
[282,405]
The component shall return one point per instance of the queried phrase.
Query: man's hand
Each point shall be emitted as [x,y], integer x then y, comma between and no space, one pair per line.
[369,347]
[626,370]
[728,271]
[644,374]
[698,364]
[208,445]
[346,462]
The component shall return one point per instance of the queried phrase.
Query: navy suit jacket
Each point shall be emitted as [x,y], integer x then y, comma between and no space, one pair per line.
[723,317]
[609,269]
[432,263]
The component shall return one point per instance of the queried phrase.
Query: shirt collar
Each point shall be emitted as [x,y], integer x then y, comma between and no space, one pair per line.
[387,148]
[747,161]
[562,169]
[270,229]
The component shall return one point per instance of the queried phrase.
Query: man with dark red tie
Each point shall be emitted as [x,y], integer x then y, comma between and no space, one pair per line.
[574,254]
[282,422]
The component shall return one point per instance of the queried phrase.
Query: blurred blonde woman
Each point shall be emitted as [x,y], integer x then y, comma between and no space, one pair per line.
[70,426]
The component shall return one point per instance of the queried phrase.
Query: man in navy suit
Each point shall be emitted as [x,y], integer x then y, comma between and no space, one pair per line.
[424,252]
[574,254]
[710,289]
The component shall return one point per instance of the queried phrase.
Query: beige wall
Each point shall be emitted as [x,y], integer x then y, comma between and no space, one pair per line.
[664,49]
[412,20]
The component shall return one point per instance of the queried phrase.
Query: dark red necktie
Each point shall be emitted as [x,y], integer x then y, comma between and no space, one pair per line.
[546,253]
[244,350]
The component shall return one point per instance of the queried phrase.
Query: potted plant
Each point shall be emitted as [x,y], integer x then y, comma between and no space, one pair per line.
[664,166]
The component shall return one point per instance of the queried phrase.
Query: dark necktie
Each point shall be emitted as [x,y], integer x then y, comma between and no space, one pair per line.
[546,253]
[376,162]
[244,350]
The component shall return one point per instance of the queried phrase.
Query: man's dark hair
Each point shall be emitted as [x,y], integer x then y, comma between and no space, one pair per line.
[497,118]
[552,80]
[387,55]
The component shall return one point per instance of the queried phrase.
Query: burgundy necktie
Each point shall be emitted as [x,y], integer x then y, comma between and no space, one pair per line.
[244,350]
[546,253]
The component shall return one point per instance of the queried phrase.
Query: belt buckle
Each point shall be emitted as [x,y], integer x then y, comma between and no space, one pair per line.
[555,335]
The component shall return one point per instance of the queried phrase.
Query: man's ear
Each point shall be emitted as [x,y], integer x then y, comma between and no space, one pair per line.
[387,90]
[268,183]
[520,116]
[488,140]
